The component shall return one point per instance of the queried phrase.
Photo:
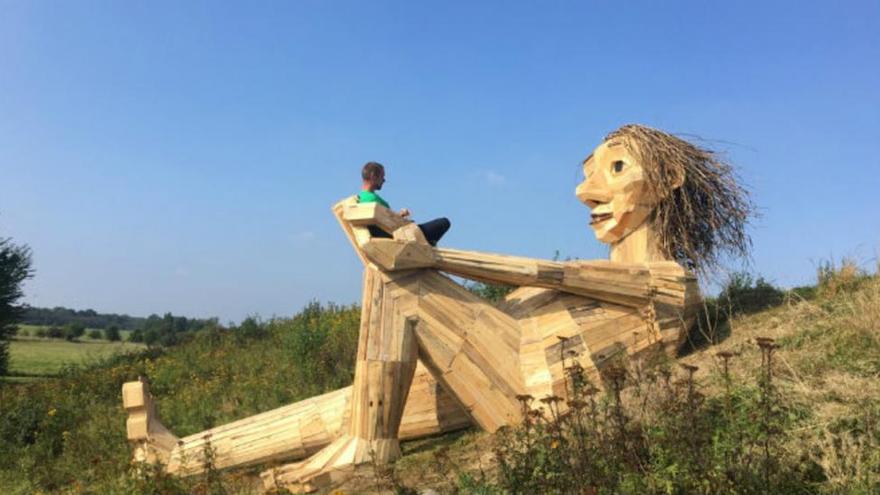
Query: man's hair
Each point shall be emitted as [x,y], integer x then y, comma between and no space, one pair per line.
[372,170]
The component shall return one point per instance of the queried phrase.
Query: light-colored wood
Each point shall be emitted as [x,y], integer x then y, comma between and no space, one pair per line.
[433,357]
[151,442]
[298,430]
[628,284]
[386,361]
[363,214]
[410,233]
[356,235]
[393,254]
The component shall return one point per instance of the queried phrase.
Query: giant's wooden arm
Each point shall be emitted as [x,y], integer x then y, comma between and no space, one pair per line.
[634,285]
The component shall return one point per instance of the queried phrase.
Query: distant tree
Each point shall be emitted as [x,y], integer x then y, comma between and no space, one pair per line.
[41,333]
[73,331]
[167,323]
[95,334]
[55,332]
[112,333]
[168,339]
[152,336]
[136,336]
[15,268]
[251,328]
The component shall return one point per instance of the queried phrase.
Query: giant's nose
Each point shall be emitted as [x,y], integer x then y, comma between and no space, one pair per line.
[591,193]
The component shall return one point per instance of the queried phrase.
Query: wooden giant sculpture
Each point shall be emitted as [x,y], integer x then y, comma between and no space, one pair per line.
[432,357]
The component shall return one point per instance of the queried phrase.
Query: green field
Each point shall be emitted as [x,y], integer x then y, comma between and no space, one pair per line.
[30,356]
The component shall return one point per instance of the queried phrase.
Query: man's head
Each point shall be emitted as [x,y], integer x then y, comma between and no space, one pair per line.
[690,197]
[373,175]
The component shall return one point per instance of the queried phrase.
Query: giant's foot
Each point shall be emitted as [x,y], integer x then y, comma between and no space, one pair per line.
[152,442]
[332,465]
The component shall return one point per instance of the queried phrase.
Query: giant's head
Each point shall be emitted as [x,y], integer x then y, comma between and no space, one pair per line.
[686,193]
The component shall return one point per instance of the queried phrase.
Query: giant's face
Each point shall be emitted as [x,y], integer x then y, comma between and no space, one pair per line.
[615,188]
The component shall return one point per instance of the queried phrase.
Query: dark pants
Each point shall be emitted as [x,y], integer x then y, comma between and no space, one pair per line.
[433,230]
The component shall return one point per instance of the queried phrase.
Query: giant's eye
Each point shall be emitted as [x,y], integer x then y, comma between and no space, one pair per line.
[617,166]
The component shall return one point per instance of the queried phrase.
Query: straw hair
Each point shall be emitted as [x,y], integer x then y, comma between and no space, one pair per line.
[703,210]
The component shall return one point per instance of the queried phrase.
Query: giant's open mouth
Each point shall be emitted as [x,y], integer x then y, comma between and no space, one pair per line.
[599,218]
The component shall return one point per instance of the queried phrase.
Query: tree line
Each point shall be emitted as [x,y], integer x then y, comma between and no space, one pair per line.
[166,330]
[89,318]
[60,316]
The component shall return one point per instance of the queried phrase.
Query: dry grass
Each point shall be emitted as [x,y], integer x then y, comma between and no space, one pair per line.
[829,351]
[828,363]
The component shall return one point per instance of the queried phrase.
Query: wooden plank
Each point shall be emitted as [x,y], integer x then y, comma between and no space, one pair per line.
[393,254]
[355,236]
[363,214]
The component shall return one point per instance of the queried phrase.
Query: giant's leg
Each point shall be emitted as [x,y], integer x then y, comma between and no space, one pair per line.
[289,433]
[469,346]
[472,349]
[386,362]
[300,429]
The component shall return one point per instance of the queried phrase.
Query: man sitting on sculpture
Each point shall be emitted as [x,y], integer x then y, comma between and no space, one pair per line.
[373,175]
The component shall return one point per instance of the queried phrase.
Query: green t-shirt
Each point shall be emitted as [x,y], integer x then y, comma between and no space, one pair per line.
[371,197]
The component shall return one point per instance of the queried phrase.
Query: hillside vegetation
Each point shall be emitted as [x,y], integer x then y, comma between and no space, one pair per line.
[804,423]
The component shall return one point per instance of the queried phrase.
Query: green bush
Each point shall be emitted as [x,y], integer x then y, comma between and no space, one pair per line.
[68,432]
[251,328]
[741,294]
[111,333]
[744,294]
[73,331]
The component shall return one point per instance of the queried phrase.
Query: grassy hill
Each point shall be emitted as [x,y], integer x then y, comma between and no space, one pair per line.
[818,416]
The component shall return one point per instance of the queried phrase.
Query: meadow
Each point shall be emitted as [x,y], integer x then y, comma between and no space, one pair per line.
[713,421]
[42,357]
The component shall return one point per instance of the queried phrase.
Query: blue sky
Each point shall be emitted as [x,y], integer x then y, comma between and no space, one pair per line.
[183,156]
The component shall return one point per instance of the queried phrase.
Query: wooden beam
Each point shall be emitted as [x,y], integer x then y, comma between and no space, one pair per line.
[363,214]
[392,254]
